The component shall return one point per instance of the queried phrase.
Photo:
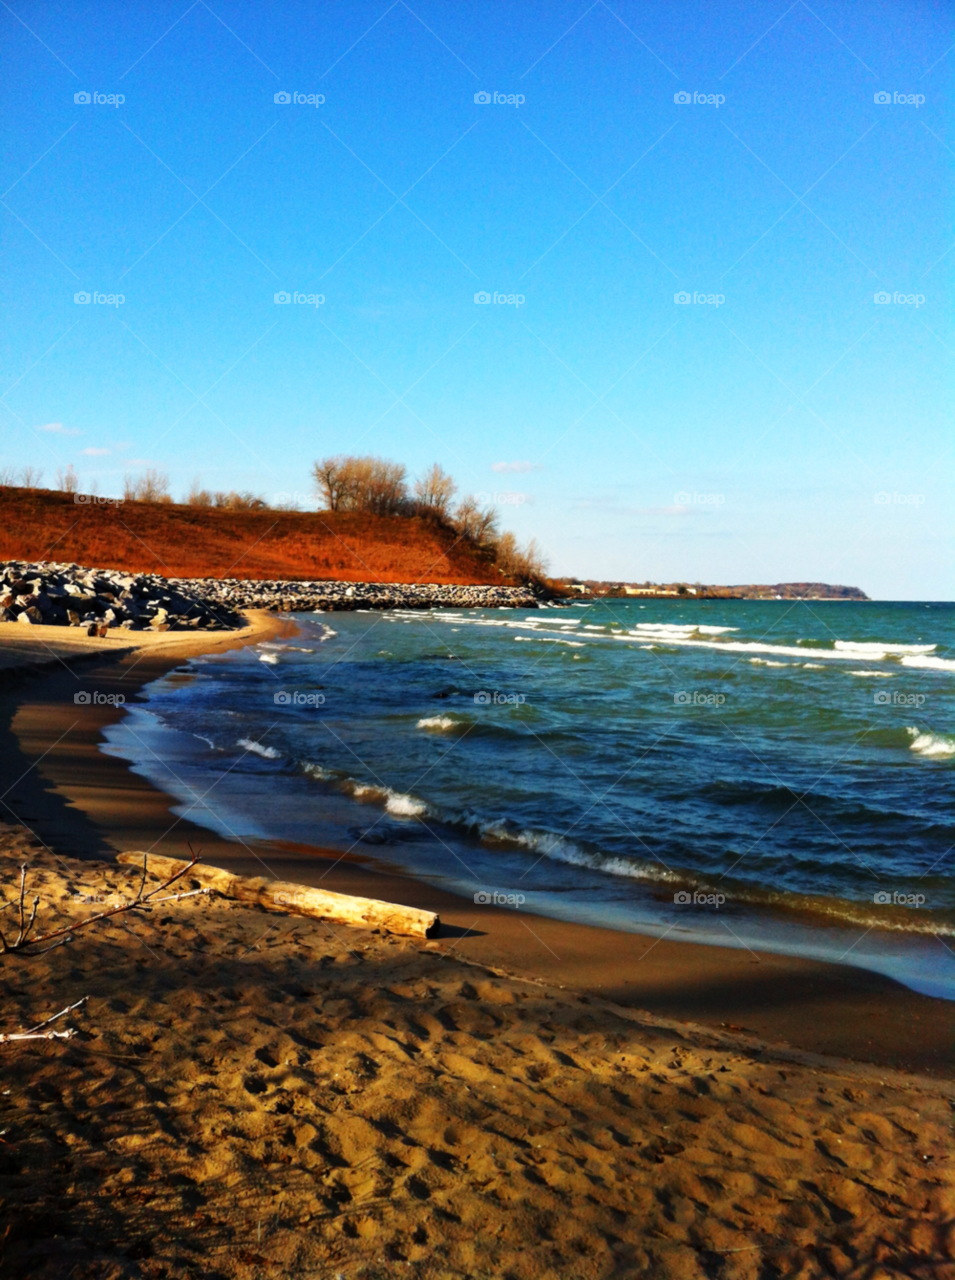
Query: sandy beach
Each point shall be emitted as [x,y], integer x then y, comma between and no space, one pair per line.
[270,1095]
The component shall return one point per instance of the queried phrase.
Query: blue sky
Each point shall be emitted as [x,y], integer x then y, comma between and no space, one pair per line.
[780,425]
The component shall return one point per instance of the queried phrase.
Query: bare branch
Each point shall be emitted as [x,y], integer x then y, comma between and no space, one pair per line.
[141,901]
[37,1032]
[43,1035]
[62,1014]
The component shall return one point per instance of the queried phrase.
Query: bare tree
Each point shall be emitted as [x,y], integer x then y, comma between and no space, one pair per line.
[526,563]
[535,561]
[233,501]
[367,484]
[434,491]
[384,490]
[152,486]
[379,487]
[30,477]
[8,476]
[331,481]
[477,525]
[67,481]
[197,496]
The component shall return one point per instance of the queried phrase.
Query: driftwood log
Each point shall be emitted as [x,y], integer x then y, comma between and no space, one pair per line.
[299,899]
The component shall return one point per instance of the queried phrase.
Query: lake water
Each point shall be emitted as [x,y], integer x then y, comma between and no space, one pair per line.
[765,774]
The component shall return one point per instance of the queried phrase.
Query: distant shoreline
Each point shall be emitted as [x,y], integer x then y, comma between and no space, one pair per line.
[594,590]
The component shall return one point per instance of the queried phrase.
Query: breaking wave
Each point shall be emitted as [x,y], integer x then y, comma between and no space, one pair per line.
[439,724]
[267,753]
[930,744]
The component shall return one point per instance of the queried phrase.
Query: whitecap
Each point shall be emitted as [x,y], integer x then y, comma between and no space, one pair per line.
[768,662]
[878,647]
[930,664]
[573,644]
[560,849]
[438,723]
[316,770]
[882,675]
[405,806]
[930,744]
[396,802]
[271,658]
[782,650]
[268,753]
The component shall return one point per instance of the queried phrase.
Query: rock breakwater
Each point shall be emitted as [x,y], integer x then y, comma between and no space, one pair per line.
[46,593]
[287,597]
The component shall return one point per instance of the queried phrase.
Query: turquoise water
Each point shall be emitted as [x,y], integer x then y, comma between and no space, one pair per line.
[773,774]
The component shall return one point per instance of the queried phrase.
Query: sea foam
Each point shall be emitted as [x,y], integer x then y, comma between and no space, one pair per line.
[930,744]
[438,724]
[267,753]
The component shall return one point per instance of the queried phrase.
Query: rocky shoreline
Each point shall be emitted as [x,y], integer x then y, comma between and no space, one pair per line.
[98,600]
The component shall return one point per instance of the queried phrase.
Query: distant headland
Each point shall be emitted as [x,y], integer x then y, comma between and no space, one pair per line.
[699,591]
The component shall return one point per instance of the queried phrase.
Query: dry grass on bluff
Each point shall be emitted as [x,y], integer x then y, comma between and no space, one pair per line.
[194,542]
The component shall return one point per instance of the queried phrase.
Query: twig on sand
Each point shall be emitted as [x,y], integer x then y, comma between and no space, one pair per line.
[59,937]
[37,1032]
[26,944]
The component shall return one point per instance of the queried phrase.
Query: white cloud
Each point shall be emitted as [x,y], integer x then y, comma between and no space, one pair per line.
[58,429]
[513,466]
[96,453]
